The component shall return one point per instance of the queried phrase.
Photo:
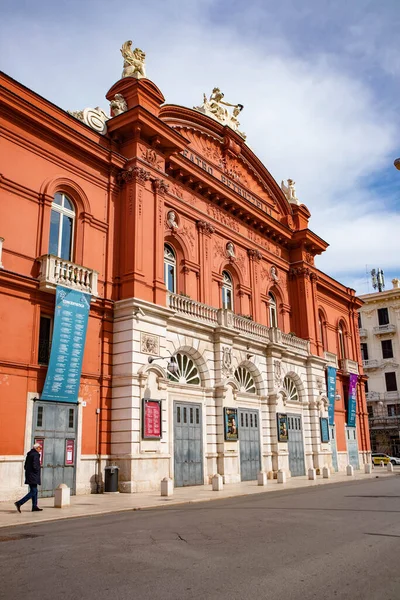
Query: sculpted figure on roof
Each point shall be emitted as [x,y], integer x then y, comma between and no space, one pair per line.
[133,61]
[215,107]
[290,191]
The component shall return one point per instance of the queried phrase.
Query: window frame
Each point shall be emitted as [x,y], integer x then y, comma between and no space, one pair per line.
[385,319]
[227,289]
[272,310]
[61,211]
[393,380]
[169,262]
[390,344]
[51,319]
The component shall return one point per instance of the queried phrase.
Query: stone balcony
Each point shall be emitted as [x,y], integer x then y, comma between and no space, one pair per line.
[373,396]
[371,364]
[202,313]
[363,332]
[331,358]
[348,366]
[57,271]
[384,329]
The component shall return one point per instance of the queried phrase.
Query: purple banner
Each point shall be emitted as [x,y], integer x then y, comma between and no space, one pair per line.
[352,401]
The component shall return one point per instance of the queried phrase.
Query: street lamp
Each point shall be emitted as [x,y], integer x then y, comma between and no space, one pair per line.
[172,365]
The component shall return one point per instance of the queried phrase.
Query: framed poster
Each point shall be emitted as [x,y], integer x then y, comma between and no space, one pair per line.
[282,423]
[41,449]
[69,452]
[231,425]
[151,420]
[324,424]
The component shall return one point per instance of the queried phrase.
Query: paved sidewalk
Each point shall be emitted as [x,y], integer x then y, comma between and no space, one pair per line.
[96,504]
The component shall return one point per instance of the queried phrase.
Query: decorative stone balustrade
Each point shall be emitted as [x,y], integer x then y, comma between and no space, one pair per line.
[294,342]
[363,332]
[371,364]
[191,308]
[331,358]
[57,271]
[348,366]
[384,329]
[373,396]
[250,327]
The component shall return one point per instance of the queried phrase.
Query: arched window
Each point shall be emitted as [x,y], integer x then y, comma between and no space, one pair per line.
[186,371]
[273,314]
[227,291]
[62,222]
[342,345]
[290,388]
[245,380]
[169,268]
[322,332]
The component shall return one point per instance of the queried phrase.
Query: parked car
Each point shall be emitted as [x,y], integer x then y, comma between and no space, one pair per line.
[377,458]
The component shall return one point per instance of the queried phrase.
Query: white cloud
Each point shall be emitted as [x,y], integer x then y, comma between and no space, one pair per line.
[305,118]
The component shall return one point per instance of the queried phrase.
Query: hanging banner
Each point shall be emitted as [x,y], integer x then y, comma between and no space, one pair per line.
[352,401]
[69,334]
[331,385]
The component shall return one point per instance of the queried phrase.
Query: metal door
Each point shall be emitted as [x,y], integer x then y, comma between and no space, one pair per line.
[332,434]
[249,442]
[188,455]
[295,446]
[55,425]
[352,447]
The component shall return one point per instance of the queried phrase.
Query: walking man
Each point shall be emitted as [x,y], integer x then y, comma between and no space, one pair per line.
[32,478]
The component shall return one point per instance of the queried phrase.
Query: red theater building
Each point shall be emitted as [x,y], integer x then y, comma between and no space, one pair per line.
[210,330]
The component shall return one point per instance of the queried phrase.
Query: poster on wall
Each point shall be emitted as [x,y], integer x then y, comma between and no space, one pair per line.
[69,452]
[331,386]
[69,335]
[41,449]
[231,424]
[151,420]
[352,400]
[282,423]
[324,424]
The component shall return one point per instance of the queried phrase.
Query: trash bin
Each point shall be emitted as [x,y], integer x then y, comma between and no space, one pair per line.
[111,479]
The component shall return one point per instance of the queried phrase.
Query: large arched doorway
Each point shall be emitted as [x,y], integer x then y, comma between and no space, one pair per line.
[297,465]
[249,428]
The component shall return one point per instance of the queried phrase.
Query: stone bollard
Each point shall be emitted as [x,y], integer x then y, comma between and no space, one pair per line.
[389,468]
[350,470]
[62,496]
[382,464]
[326,472]
[167,487]
[312,474]
[368,468]
[281,476]
[217,483]
[262,478]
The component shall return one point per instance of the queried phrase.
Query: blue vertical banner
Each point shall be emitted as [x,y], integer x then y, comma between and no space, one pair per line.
[352,401]
[68,344]
[331,379]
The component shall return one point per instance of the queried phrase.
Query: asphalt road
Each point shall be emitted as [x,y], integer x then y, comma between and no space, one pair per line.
[339,541]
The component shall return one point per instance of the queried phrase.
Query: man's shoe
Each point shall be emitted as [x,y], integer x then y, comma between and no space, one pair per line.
[17,506]
[36,509]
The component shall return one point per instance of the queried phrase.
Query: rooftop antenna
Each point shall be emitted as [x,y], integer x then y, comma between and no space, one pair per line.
[378,279]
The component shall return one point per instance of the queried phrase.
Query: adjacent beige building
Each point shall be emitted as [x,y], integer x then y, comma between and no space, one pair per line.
[379,322]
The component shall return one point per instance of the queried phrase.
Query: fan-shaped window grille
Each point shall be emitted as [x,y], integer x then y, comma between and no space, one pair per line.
[291,390]
[187,372]
[245,380]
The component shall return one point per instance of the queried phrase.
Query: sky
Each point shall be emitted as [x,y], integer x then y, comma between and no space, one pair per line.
[319,81]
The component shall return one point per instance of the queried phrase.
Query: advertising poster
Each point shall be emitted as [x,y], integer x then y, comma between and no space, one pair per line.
[151,416]
[69,335]
[69,452]
[231,424]
[352,400]
[283,432]
[331,386]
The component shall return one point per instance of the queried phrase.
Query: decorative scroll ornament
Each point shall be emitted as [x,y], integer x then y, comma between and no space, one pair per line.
[118,105]
[133,61]
[290,191]
[214,107]
[95,118]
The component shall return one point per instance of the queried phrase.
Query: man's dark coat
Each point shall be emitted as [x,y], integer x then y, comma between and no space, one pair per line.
[32,467]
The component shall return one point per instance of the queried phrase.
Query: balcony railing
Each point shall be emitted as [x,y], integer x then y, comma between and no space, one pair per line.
[373,396]
[392,395]
[56,271]
[196,311]
[348,366]
[383,329]
[371,364]
[363,332]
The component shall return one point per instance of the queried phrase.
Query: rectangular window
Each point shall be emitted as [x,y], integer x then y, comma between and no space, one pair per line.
[359,321]
[71,418]
[393,410]
[364,351]
[370,411]
[366,386]
[391,382]
[39,419]
[383,316]
[45,333]
[387,349]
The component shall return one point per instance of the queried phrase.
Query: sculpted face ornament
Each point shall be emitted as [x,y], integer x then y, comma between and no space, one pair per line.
[215,107]
[133,61]
[118,105]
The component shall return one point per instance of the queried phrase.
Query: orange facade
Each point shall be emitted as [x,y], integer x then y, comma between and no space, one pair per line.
[229,216]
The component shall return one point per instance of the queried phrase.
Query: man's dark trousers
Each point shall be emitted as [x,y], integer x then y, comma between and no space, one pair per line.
[33,493]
